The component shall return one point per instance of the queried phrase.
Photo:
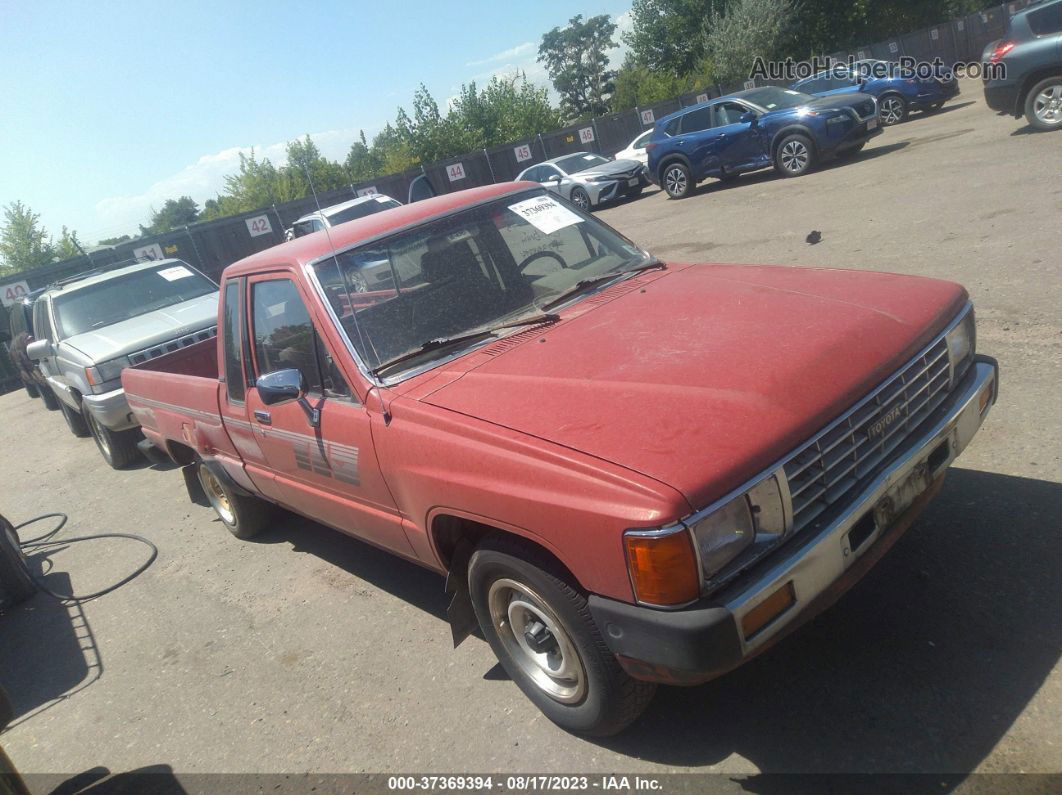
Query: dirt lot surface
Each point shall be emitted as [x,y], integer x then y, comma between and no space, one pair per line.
[310,651]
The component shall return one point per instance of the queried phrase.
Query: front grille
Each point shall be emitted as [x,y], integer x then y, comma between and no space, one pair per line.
[155,351]
[853,447]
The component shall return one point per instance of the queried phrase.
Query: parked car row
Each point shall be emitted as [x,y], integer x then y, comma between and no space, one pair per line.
[501,388]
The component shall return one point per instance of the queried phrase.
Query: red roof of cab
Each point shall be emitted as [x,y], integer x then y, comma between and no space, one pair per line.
[306,249]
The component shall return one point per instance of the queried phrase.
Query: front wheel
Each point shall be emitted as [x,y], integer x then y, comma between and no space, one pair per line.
[51,402]
[1043,104]
[795,156]
[118,448]
[540,628]
[74,421]
[892,110]
[31,389]
[677,181]
[581,199]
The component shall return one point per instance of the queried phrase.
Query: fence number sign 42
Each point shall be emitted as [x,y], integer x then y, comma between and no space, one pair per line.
[13,291]
[259,225]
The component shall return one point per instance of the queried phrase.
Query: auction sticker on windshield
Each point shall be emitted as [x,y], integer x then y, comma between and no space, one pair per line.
[175,273]
[545,214]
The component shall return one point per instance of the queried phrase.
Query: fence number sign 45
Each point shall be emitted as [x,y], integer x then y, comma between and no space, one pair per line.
[522,153]
[13,291]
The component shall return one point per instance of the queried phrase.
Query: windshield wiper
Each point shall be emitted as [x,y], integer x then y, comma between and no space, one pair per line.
[593,281]
[431,345]
[533,320]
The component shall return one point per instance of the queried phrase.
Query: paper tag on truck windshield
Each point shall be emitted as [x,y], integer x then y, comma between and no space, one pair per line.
[545,214]
[175,273]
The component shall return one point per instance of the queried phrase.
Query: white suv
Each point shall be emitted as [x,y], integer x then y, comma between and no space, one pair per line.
[339,214]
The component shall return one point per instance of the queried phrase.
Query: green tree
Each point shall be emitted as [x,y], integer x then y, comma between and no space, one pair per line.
[174,213]
[114,241]
[361,164]
[305,162]
[749,29]
[667,35]
[639,86]
[23,241]
[68,246]
[576,59]
[508,109]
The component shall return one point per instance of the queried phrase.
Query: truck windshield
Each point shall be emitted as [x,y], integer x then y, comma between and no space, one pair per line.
[479,268]
[127,296]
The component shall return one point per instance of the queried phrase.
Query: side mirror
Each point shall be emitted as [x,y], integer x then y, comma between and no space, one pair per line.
[749,118]
[555,178]
[281,386]
[39,349]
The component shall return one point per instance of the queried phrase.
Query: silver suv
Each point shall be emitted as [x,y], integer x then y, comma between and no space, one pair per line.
[339,214]
[89,329]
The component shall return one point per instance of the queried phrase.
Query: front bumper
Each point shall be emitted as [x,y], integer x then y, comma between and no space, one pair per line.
[705,640]
[860,134]
[601,192]
[110,410]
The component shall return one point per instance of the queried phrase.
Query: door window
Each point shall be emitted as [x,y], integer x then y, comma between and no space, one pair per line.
[1046,20]
[697,120]
[285,338]
[729,113]
[235,379]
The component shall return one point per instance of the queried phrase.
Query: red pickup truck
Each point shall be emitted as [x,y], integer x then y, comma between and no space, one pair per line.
[631,472]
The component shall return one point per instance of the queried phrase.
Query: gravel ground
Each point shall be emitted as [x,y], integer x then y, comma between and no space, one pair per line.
[310,651]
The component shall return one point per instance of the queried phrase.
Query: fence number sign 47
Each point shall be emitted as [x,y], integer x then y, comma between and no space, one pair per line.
[13,291]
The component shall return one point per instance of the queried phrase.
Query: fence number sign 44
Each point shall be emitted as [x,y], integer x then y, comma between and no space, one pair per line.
[455,172]
[545,214]
[13,291]
[259,225]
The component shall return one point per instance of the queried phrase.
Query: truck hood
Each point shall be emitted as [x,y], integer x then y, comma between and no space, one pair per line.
[143,331]
[703,376]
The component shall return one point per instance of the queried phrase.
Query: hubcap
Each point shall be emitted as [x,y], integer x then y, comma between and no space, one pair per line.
[891,110]
[216,495]
[536,641]
[1047,106]
[794,157]
[675,181]
[581,200]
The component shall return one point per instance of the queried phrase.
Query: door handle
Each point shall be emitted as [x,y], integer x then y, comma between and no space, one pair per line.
[263,417]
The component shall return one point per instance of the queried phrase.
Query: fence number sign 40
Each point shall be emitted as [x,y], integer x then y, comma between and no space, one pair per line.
[12,292]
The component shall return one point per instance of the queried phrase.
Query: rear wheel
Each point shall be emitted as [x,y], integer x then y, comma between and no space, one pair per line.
[677,181]
[118,448]
[74,421]
[244,516]
[795,155]
[51,402]
[31,390]
[540,628]
[1043,104]
[580,199]
[892,109]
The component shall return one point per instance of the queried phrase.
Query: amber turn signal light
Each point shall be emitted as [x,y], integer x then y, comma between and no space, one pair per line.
[768,610]
[663,568]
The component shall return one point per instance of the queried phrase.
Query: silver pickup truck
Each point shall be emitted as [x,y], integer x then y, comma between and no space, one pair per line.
[90,329]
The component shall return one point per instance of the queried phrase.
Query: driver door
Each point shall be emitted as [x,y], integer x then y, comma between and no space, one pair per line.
[328,472]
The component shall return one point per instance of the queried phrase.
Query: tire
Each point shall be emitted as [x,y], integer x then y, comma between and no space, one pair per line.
[118,448]
[676,181]
[31,390]
[580,199]
[515,583]
[848,154]
[17,584]
[794,156]
[892,109]
[1043,104]
[74,421]
[244,516]
[51,402]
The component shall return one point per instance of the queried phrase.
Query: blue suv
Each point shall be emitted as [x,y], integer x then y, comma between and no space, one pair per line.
[897,95]
[756,129]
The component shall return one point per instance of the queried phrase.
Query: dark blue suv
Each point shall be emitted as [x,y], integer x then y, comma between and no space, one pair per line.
[897,94]
[756,129]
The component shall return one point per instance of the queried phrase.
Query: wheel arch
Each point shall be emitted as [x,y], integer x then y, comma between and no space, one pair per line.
[668,159]
[798,129]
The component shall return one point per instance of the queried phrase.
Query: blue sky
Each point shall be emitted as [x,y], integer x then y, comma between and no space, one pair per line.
[109,108]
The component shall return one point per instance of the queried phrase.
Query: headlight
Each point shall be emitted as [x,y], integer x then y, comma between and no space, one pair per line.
[962,343]
[753,519]
[601,178]
[106,371]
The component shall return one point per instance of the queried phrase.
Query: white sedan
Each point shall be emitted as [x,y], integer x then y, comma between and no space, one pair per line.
[636,149]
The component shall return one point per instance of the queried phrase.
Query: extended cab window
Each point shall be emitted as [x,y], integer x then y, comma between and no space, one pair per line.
[284,338]
[235,380]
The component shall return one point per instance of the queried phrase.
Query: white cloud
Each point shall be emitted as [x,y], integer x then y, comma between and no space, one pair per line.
[201,180]
[505,55]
